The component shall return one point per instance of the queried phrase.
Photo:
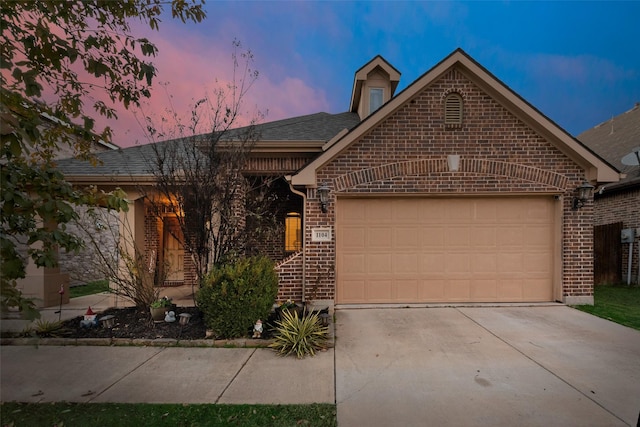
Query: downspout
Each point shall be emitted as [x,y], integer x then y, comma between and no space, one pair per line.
[304,238]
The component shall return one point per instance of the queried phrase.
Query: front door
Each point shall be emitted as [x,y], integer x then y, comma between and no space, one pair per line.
[173,250]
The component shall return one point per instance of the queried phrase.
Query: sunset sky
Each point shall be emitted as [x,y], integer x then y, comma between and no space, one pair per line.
[577,62]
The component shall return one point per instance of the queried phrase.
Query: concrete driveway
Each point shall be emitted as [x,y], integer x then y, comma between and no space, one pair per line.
[485,366]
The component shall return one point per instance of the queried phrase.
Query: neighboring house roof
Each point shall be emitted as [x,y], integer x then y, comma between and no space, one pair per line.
[304,133]
[596,169]
[615,140]
[8,124]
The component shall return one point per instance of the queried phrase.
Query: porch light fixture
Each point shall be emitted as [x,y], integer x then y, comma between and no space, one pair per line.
[583,193]
[323,195]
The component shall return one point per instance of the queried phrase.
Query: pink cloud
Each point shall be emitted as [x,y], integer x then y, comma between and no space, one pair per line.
[190,67]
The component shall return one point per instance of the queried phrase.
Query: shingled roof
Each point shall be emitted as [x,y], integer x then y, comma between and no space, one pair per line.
[615,139]
[137,160]
[313,127]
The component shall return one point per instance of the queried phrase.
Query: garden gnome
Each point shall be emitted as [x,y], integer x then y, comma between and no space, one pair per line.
[257,329]
[90,319]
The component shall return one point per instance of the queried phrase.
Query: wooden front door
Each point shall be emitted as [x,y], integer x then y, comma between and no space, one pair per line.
[173,250]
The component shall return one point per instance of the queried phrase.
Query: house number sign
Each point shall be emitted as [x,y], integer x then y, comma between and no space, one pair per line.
[321,234]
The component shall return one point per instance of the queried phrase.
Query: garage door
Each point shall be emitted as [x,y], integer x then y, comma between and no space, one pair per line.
[413,250]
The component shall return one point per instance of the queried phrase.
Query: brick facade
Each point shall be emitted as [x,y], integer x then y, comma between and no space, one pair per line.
[500,155]
[290,273]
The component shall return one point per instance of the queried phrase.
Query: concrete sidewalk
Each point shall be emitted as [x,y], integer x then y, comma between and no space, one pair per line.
[31,373]
[163,375]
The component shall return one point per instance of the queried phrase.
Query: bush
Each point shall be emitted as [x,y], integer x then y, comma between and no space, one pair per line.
[299,335]
[232,297]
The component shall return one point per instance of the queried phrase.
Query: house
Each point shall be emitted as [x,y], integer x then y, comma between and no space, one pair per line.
[617,204]
[43,283]
[454,190]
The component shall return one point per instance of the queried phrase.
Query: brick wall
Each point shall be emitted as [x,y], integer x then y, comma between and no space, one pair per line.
[290,278]
[499,155]
[622,206]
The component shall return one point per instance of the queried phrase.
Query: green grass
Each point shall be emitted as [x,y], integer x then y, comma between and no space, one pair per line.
[136,415]
[89,289]
[618,303]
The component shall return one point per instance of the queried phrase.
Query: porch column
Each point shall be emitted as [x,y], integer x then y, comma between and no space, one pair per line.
[43,284]
[131,235]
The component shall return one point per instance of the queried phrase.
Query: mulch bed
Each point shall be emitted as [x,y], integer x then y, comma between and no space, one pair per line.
[136,324]
[132,323]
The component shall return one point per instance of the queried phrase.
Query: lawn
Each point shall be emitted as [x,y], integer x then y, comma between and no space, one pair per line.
[136,415]
[618,303]
[89,289]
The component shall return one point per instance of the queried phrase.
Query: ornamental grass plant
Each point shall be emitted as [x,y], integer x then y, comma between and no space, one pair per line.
[298,335]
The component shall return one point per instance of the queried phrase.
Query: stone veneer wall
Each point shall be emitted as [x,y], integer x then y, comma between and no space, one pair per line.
[81,266]
[500,154]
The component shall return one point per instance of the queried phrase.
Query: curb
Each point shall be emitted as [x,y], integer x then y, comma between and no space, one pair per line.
[138,342]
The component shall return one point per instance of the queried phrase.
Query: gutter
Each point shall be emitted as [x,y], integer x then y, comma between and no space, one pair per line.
[616,187]
[304,234]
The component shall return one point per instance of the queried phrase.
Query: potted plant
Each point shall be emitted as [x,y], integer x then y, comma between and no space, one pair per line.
[159,308]
[289,306]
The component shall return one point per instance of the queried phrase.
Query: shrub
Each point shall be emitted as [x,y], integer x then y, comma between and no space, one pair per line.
[299,335]
[43,328]
[232,297]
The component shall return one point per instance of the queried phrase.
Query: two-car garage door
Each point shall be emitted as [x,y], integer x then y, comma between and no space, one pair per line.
[414,250]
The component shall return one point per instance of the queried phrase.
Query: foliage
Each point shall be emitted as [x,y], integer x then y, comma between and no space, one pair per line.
[55,55]
[618,303]
[199,173]
[299,335]
[134,415]
[90,288]
[43,328]
[232,297]
[132,274]
[162,302]
[288,304]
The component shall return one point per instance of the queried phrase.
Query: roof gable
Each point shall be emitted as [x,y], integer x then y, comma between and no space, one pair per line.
[596,169]
[377,64]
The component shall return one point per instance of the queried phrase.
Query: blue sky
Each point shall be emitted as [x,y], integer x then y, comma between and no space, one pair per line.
[577,62]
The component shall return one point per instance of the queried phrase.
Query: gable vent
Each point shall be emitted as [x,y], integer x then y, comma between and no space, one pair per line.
[453,110]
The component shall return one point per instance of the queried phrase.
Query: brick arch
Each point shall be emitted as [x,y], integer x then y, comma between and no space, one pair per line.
[451,90]
[427,166]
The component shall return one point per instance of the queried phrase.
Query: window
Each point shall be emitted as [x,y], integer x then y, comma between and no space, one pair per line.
[375,98]
[293,232]
[453,110]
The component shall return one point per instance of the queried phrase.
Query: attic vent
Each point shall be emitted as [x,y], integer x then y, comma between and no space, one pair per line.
[453,110]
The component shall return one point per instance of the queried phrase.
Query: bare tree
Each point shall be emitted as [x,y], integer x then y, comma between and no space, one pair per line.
[131,274]
[199,176]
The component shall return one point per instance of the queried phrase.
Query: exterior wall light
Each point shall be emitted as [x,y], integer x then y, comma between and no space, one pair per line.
[583,193]
[323,195]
